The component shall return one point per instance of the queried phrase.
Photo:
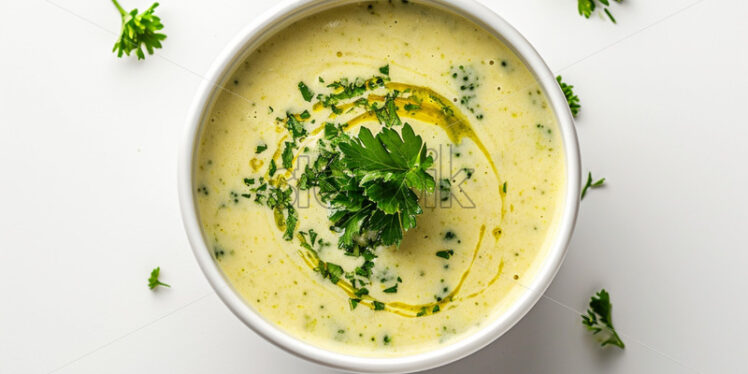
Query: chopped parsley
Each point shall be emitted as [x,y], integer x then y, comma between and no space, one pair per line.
[392,289]
[445,253]
[599,320]
[261,148]
[378,305]
[306,93]
[287,155]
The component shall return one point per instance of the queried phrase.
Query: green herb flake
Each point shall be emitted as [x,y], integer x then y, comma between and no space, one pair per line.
[392,289]
[361,292]
[385,69]
[411,107]
[446,254]
[353,303]
[306,93]
[272,169]
[378,305]
[287,155]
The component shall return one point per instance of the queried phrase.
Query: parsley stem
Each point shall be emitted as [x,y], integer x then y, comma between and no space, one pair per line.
[119,7]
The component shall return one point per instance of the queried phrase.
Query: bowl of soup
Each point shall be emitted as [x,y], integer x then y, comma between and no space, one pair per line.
[379,186]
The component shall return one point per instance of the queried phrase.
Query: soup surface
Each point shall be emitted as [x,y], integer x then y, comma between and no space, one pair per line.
[484,222]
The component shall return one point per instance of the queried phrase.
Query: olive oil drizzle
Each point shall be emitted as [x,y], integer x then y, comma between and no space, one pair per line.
[311,258]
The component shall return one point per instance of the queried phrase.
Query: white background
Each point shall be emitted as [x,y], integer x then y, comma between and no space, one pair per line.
[88,200]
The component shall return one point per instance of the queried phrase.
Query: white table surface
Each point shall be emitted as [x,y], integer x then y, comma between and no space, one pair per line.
[88,200]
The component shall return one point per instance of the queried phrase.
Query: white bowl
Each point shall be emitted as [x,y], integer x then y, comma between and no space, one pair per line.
[253,35]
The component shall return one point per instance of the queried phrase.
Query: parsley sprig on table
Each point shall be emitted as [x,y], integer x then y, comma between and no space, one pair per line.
[586,7]
[571,97]
[153,281]
[591,184]
[599,320]
[138,30]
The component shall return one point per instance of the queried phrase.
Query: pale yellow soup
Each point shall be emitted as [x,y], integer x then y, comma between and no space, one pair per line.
[489,128]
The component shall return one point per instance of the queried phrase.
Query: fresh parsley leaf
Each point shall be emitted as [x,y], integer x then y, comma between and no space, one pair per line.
[591,184]
[445,253]
[436,309]
[261,148]
[138,30]
[153,281]
[306,93]
[571,97]
[385,69]
[599,319]
[392,289]
[390,168]
[354,303]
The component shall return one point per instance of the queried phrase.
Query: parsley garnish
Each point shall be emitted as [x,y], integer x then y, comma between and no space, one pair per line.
[354,303]
[599,319]
[153,281]
[445,254]
[389,168]
[261,148]
[306,93]
[586,7]
[571,97]
[392,289]
[138,30]
[378,305]
[590,184]
[385,69]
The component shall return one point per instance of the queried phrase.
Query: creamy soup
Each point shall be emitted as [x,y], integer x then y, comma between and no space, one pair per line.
[495,162]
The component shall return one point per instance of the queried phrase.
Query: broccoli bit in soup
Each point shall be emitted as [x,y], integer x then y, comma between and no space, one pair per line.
[353,181]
